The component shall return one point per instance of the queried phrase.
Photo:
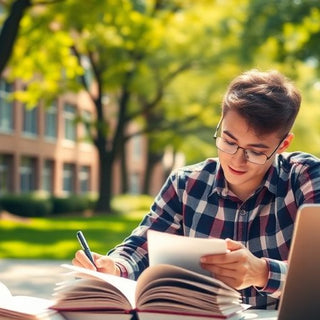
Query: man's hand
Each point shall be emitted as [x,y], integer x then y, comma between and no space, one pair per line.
[238,268]
[104,263]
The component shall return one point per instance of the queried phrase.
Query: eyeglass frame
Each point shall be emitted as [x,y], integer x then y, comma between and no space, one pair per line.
[215,136]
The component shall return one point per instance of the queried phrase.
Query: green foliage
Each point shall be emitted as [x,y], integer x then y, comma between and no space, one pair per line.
[292,27]
[48,68]
[156,44]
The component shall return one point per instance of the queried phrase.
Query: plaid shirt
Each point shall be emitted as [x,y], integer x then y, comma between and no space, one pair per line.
[195,202]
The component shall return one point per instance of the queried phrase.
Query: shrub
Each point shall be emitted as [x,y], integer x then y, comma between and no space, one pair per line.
[26,205]
[72,204]
[39,204]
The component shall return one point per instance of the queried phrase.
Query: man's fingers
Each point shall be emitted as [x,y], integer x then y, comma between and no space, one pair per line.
[226,258]
[222,269]
[233,245]
[81,260]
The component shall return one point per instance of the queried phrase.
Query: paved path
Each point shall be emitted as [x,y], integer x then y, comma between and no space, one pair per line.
[31,277]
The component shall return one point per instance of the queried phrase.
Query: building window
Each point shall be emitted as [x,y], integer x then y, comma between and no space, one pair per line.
[69,122]
[68,178]
[51,122]
[30,121]
[5,174]
[84,178]
[27,175]
[137,148]
[47,176]
[86,121]
[134,183]
[6,107]
[88,72]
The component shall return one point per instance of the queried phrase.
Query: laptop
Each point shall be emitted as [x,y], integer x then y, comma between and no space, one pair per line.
[300,297]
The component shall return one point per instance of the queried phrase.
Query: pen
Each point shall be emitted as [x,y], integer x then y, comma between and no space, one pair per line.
[85,246]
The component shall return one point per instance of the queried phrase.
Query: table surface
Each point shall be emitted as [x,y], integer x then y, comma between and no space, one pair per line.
[261,314]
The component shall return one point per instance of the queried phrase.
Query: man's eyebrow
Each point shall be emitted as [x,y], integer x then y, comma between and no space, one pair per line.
[256,145]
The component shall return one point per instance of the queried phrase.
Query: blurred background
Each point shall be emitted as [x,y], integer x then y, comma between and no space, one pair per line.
[101,99]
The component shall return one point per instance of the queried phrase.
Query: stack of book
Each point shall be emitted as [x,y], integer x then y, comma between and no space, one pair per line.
[25,307]
[161,292]
[174,286]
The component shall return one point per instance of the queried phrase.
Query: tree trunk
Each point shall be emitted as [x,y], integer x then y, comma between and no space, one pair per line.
[124,169]
[108,152]
[10,29]
[118,143]
[105,184]
[153,158]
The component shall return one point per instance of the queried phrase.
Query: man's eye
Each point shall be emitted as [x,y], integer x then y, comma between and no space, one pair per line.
[256,153]
[230,143]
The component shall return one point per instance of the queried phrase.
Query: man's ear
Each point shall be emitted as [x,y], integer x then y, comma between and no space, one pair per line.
[286,142]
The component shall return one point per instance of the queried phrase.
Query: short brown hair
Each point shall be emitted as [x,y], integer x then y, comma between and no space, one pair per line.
[268,101]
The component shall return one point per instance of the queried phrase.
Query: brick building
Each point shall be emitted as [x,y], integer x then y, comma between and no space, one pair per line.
[44,149]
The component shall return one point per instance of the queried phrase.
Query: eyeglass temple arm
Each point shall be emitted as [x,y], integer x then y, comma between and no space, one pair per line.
[217,128]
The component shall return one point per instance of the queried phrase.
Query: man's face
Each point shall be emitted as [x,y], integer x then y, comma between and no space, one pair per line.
[244,177]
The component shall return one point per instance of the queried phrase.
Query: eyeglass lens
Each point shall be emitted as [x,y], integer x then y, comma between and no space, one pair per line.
[232,148]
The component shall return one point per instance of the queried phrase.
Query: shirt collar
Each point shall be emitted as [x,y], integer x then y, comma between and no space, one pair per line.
[271,177]
[269,181]
[219,185]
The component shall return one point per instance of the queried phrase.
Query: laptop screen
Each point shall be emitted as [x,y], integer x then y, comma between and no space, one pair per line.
[300,298]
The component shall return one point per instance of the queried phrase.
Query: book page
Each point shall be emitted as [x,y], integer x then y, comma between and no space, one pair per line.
[124,286]
[25,305]
[95,315]
[182,251]
[174,289]
[4,292]
[154,273]
[183,316]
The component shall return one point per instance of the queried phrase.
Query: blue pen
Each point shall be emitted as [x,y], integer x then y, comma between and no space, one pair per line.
[85,246]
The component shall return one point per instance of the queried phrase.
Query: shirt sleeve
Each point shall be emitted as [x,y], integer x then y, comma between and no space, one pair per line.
[306,189]
[307,184]
[276,277]
[131,256]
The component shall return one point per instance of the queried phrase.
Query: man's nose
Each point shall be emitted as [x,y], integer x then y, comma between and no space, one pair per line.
[240,155]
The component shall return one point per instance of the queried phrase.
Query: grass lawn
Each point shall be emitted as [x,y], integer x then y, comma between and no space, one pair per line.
[55,237]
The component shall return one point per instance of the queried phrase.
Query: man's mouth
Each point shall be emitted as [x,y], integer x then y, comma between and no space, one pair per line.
[238,172]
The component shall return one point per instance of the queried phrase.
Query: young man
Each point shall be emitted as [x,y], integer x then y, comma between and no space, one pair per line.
[249,195]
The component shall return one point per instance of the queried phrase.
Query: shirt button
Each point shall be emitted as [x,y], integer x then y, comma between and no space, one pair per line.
[243,212]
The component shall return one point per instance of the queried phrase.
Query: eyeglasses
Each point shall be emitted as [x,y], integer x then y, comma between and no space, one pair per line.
[250,155]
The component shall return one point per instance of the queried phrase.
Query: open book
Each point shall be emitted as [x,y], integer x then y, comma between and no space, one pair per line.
[174,286]
[25,307]
[162,291]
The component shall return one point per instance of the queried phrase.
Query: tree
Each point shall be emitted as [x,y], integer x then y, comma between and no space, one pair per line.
[136,54]
[292,28]
[286,34]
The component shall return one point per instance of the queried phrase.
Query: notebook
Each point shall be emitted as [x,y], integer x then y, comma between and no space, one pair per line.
[300,297]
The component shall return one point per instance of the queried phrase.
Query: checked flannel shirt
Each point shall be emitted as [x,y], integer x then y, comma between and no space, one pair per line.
[195,202]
